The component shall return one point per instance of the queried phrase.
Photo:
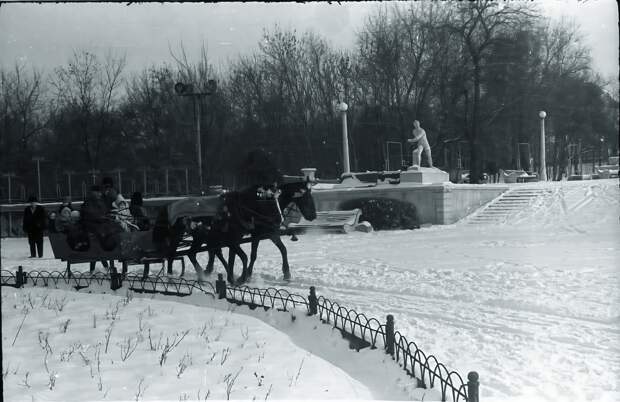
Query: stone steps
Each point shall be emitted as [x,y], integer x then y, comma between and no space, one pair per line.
[507,205]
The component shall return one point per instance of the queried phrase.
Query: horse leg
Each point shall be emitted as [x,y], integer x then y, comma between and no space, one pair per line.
[285,268]
[255,241]
[191,254]
[229,270]
[209,267]
[196,264]
[231,259]
[236,249]
[172,250]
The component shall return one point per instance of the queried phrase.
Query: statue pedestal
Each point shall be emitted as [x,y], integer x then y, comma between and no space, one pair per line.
[424,175]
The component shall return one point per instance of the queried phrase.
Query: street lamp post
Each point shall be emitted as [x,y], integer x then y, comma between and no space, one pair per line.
[69,173]
[600,153]
[94,173]
[167,181]
[186,181]
[9,176]
[342,108]
[38,160]
[144,180]
[187,90]
[119,179]
[543,166]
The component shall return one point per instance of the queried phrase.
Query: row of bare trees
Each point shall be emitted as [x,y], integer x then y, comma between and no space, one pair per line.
[474,73]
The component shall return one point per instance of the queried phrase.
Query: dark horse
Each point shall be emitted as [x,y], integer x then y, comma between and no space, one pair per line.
[241,213]
[298,195]
[212,224]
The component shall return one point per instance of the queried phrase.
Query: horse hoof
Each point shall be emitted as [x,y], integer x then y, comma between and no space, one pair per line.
[287,276]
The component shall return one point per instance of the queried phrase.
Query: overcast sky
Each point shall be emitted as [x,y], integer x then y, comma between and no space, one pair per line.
[44,35]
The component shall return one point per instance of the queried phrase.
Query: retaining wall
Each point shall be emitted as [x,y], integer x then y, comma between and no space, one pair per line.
[438,204]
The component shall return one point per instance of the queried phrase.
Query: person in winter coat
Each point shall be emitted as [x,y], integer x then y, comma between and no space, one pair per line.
[139,212]
[35,219]
[63,220]
[93,213]
[109,192]
[66,203]
[120,211]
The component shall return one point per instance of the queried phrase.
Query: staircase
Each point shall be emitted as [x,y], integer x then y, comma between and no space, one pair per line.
[509,205]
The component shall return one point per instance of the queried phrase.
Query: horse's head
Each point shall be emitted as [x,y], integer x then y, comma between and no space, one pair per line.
[299,193]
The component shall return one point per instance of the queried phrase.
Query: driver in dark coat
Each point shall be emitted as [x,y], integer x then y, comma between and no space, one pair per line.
[94,210]
[94,218]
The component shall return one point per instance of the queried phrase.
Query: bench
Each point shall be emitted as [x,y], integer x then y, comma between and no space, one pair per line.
[343,221]
[516,176]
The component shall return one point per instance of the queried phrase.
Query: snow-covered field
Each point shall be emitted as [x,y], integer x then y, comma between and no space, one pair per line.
[533,307]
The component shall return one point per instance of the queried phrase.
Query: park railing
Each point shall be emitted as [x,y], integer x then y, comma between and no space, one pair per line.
[361,331]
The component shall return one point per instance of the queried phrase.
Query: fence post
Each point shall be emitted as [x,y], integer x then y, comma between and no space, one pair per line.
[115,280]
[312,301]
[220,286]
[472,387]
[19,277]
[389,335]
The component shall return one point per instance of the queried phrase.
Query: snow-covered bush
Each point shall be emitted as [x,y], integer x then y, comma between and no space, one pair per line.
[385,213]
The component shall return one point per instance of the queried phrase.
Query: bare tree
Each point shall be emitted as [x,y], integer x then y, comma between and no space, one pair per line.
[22,108]
[479,24]
[88,90]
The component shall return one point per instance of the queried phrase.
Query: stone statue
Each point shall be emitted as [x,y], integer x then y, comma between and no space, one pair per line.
[419,136]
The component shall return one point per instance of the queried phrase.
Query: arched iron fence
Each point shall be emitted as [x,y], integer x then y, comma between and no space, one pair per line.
[360,330]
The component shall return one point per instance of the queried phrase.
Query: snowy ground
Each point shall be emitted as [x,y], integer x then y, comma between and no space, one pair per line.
[533,306]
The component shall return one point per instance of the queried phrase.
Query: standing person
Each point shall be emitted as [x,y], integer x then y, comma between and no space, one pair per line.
[419,136]
[34,224]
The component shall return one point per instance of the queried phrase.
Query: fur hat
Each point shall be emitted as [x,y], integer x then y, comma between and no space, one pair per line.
[107,182]
[119,199]
[136,198]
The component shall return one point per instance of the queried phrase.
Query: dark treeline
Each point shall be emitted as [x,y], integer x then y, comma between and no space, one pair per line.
[475,74]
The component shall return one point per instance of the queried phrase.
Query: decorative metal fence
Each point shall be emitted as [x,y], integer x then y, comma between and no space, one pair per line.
[360,330]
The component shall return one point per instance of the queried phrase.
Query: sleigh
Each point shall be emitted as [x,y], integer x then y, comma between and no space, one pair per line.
[138,247]
[133,248]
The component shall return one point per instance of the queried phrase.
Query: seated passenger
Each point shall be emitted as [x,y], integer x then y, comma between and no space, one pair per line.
[66,203]
[139,212]
[94,219]
[51,222]
[109,193]
[63,220]
[120,211]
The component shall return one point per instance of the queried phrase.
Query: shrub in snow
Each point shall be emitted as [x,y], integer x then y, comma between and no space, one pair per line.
[385,213]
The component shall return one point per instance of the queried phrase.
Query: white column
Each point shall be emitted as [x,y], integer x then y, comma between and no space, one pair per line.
[345,138]
[543,164]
